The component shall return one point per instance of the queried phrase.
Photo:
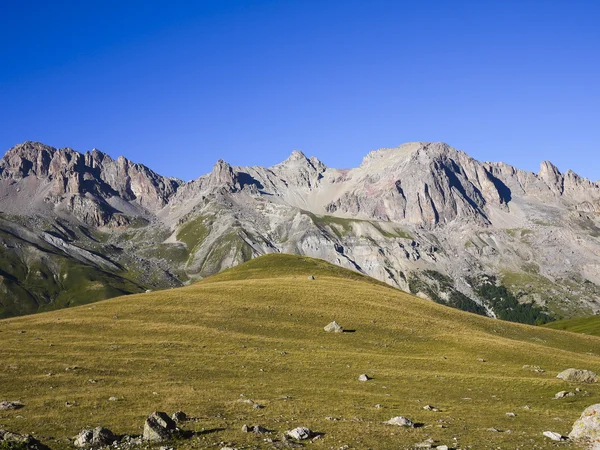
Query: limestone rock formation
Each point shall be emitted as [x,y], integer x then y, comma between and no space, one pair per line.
[422,217]
[578,375]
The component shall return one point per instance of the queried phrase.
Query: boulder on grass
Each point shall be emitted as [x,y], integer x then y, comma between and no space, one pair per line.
[334,327]
[578,375]
[158,427]
[97,437]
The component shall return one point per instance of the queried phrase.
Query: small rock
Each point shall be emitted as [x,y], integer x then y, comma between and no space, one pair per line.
[431,408]
[537,369]
[578,375]
[423,445]
[179,416]
[378,406]
[334,327]
[554,436]
[401,422]
[481,360]
[5,406]
[158,427]
[511,414]
[494,430]
[441,447]
[258,406]
[300,433]
[97,437]
[563,394]
[113,399]
[363,377]
[311,277]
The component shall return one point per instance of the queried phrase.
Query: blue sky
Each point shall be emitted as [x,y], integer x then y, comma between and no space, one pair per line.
[177,85]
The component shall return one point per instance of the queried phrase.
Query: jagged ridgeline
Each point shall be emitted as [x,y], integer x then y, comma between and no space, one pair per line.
[426,218]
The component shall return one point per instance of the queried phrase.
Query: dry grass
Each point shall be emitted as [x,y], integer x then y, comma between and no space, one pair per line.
[201,347]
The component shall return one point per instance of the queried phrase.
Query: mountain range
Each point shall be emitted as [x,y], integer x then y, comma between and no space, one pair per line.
[423,217]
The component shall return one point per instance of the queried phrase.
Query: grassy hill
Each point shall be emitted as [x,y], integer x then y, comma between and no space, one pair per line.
[256,332]
[586,325]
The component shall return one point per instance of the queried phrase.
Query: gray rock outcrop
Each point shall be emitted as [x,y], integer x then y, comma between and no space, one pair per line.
[6,405]
[300,433]
[578,375]
[97,437]
[401,421]
[158,427]
[587,428]
[333,327]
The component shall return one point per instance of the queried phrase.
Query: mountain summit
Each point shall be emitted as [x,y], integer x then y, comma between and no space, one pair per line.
[422,217]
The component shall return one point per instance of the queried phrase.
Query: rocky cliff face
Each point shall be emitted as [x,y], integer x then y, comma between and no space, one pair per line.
[423,217]
[92,187]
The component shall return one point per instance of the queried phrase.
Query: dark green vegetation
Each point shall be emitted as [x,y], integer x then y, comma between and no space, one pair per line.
[434,283]
[256,332]
[586,325]
[505,304]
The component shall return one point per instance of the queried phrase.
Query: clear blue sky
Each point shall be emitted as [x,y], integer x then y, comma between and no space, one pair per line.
[177,85]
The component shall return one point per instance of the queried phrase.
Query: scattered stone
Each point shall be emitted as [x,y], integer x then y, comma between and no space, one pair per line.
[554,436]
[21,441]
[98,437]
[300,433]
[311,277]
[334,327]
[158,427]
[363,377]
[179,416]
[69,404]
[511,414]
[401,422]
[481,360]
[537,369]
[578,375]
[431,408]
[256,429]
[442,447]
[113,399]
[563,394]
[587,427]
[494,430]
[5,406]
[423,445]
[378,406]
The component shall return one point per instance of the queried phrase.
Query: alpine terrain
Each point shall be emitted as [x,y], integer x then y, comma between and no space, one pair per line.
[425,218]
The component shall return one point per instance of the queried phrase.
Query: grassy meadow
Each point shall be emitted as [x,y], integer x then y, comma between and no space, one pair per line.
[254,335]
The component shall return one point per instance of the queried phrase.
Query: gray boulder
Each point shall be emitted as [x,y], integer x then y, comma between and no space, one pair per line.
[334,327]
[363,377]
[158,427]
[4,406]
[20,441]
[554,436]
[401,422]
[97,437]
[587,427]
[300,433]
[578,375]
[563,394]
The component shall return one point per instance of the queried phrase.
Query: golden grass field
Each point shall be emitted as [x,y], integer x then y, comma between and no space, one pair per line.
[256,332]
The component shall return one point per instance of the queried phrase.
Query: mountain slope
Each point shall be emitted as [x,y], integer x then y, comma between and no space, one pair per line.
[422,217]
[251,334]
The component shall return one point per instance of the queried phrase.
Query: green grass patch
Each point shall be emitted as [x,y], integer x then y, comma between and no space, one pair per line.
[244,334]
